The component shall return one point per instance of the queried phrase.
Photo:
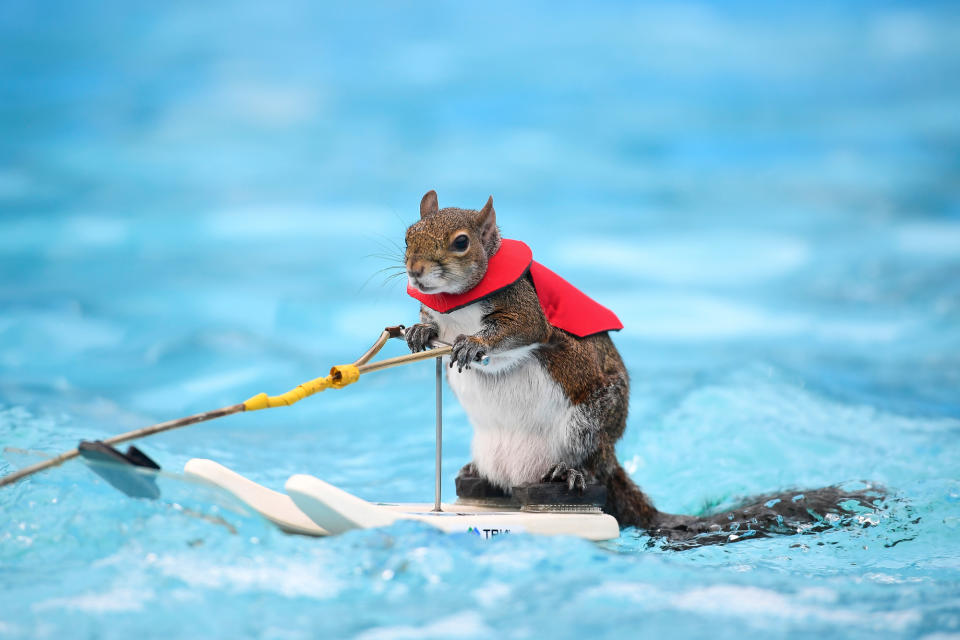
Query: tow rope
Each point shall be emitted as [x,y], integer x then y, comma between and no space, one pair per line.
[339,377]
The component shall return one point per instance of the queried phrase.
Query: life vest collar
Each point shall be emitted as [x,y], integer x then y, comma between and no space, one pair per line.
[505,267]
[564,306]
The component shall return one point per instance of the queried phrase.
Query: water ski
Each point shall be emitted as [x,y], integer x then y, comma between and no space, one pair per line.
[276,507]
[314,507]
[339,511]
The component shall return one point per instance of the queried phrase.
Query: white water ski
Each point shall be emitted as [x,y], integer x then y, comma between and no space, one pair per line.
[276,507]
[338,511]
[317,508]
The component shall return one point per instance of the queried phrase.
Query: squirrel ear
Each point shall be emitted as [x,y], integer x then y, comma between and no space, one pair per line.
[428,205]
[488,220]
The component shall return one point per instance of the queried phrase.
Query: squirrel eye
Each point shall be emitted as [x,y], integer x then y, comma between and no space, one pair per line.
[461,242]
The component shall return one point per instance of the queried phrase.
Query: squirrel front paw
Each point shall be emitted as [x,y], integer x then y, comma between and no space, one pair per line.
[419,336]
[560,472]
[466,350]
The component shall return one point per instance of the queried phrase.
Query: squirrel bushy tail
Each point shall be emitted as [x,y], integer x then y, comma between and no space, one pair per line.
[787,512]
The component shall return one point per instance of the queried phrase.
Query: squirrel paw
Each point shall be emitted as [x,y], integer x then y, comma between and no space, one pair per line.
[469,470]
[472,486]
[560,472]
[466,349]
[419,336]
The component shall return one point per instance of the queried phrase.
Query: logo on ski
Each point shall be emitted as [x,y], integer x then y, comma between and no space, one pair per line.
[486,534]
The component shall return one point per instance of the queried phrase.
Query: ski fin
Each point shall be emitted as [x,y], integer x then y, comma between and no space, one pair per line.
[115,467]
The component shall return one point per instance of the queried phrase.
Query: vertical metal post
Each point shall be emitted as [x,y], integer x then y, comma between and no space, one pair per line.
[436,504]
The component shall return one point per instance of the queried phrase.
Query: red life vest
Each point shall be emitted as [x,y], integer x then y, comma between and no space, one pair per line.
[565,306]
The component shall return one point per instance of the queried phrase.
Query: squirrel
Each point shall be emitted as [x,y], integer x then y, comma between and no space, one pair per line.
[549,405]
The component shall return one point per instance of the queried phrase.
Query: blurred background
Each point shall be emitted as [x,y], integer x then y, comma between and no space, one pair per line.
[196,201]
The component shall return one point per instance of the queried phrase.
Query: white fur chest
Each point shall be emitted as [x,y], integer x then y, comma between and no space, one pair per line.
[466,320]
[523,422]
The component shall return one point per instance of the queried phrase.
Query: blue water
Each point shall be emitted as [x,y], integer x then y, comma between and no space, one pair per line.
[191,199]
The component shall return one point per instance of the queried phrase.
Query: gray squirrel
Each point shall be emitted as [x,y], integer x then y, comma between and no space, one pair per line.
[549,405]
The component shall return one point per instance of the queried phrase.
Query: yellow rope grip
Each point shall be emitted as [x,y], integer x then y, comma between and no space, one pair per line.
[340,376]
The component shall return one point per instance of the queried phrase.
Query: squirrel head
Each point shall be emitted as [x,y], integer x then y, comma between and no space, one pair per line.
[448,249]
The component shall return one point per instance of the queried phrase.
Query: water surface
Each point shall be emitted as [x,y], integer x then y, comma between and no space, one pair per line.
[191,203]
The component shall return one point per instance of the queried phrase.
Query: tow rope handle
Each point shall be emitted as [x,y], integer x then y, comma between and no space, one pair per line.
[346,374]
[340,376]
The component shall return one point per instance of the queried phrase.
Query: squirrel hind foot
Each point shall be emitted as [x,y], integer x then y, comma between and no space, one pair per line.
[575,479]
[468,470]
[472,486]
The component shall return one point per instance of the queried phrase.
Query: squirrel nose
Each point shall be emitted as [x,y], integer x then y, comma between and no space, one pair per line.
[415,269]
